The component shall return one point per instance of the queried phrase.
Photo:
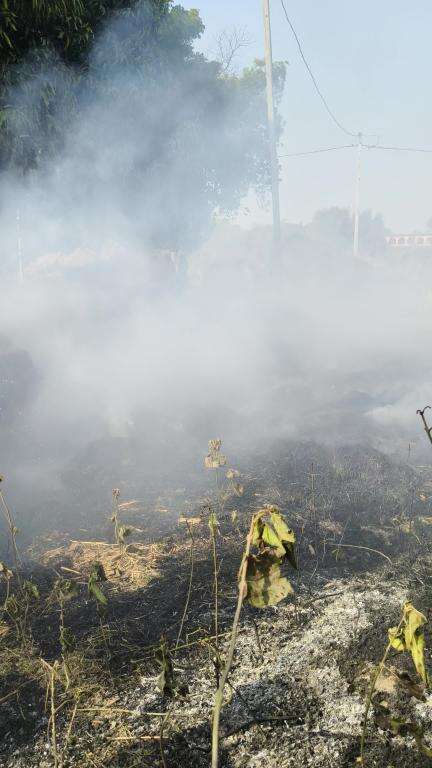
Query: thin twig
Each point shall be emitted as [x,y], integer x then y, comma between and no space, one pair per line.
[189,592]
[368,549]
[242,592]
[12,533]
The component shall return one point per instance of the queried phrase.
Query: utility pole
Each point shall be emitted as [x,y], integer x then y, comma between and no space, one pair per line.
[19,247]
[357,198]
[271,123]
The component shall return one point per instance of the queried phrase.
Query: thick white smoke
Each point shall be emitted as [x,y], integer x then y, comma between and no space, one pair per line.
[166,348]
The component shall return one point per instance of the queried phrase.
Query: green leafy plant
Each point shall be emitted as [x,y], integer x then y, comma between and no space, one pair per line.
[165,681]
[97,576]
[408,636]
[64,590]
[121,531]
[260,582]
[275,542]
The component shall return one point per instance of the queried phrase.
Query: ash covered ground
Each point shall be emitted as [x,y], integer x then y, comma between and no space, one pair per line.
[296,692]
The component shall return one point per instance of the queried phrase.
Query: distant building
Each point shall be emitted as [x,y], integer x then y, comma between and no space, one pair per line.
[409,241]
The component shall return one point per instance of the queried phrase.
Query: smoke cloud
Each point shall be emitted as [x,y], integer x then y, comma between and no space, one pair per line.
[139,331]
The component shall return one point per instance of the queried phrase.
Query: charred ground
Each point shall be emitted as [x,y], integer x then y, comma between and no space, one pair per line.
[296,691]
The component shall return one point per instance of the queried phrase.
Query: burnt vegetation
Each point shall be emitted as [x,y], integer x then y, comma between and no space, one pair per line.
[131,649]
[261,602]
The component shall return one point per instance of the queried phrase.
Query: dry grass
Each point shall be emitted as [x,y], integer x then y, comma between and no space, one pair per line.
[126,567]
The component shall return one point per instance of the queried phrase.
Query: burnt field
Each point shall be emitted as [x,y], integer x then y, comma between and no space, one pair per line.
[113,644]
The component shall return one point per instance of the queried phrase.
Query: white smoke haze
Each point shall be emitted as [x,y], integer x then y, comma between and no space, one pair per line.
[165,348]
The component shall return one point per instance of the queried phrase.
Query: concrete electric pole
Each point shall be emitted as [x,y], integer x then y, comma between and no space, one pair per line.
[271,123]
[357,198]
[19,247]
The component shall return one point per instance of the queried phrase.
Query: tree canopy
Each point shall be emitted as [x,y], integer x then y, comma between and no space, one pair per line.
[125,79]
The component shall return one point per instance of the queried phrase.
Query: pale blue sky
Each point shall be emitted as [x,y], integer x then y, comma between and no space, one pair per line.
[373,63]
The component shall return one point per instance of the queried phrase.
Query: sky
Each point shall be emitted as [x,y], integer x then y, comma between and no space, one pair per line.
[372,62]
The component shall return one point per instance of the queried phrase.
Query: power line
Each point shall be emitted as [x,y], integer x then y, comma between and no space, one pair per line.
[312,76]
[318,151]
[397,149]
[352,146]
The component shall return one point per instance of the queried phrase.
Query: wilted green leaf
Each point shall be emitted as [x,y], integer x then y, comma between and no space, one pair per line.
[410,637]
[96,592]
[270,537]
[414,638]
[265,584]
[97,575]
[396,638]
[257,532]
[271,530]
[285,534]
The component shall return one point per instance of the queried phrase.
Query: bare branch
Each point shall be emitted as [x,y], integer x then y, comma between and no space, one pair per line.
[228,44]
[427,428]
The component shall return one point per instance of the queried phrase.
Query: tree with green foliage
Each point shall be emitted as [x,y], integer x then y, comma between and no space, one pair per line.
[121,85]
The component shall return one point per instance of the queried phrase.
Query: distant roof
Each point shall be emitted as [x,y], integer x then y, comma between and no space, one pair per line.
[413,240]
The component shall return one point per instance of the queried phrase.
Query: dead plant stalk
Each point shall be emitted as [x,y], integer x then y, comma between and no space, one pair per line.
[242,592]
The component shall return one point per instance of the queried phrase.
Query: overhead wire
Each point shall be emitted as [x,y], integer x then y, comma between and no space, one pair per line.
[358,135]
[397,149]
[353,146]
[318,151]
[313,78]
